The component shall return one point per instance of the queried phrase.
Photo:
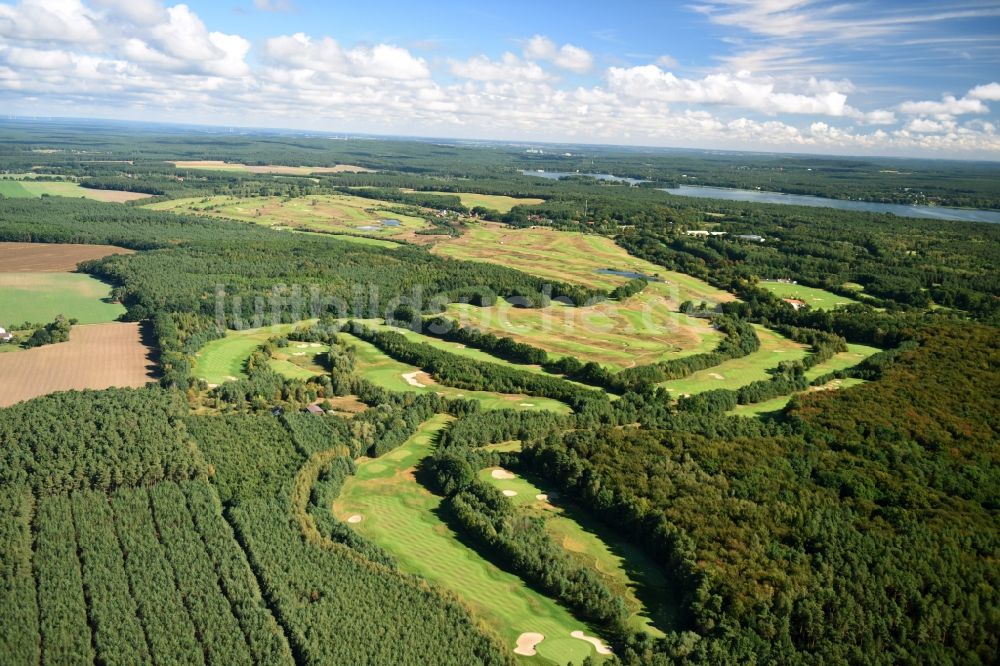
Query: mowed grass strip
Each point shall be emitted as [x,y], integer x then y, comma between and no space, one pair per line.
[39,297]
[328,212]
[779,403]
[382,370]
[737,372]
[403,517]
[624,569]
[642,330]
[570,257]
[818,299]
[497,202]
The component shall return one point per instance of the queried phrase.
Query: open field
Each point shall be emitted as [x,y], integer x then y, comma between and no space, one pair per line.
[97,356]
[402,516]
[818,299]
[219,165]
[222,360]
[50,257]
[626,570]
[390,374]
[644,329]
[848,359]
[737,372]
[777,404]
[328,212]
[497,202]
[572,257]
[39,297]
[28,189]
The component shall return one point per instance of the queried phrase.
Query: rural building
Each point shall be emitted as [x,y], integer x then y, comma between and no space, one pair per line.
[701,233]
[315,409]
[753,238]
[4,335]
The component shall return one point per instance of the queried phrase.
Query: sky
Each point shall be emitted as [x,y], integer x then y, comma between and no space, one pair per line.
[810,76]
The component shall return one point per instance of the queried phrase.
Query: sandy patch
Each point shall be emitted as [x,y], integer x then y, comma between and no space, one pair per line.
[411,379]
[510,493]
[356,518]
[527,642]
[715,375]
[298,353]
[502,474]
[315,344]
[527,404]
[301,346]
[596,642]
[542,497]
[50,257]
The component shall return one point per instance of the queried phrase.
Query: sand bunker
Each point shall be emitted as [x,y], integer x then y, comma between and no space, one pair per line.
[527,404]
[315,344]
[527,642]
[715,375]
[356,518]
[542,497]
[596,642]
[502,474]
[301,346]
[411,379]
[510,493]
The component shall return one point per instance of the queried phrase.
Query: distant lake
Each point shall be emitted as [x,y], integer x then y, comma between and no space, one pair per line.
[759,196]
[556,175]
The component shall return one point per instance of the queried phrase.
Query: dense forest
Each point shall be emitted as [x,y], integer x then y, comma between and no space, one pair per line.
[194,520]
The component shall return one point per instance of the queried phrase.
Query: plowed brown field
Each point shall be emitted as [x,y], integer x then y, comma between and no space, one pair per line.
[97,356]
[50,257]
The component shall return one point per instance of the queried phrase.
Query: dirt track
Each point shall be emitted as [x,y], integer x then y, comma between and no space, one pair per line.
[50,257]
[97,356]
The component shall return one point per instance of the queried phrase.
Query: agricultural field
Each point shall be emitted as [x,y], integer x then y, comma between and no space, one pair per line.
[324,213]
[97,356]
[38,297]
[375,366]
[818,299]
[219,165]
[386,504]
[30,189]
[50,257]
[737,372]
[623,568]
[497,202]
[644,329]
[222,360]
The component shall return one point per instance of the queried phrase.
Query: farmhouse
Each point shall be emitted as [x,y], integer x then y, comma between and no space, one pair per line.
[795,303]
[4,335]
[701,233]
[753,238]
[315,409]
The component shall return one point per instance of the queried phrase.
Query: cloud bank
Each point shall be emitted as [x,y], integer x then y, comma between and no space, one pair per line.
[144,59]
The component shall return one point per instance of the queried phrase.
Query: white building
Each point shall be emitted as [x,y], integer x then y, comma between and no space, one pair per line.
[4,335]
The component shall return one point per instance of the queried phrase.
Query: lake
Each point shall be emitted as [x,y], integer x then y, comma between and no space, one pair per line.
[760,196]
[556,175]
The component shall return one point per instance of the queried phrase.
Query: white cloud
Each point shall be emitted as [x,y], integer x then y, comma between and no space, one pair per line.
[666,62]
[566,56]
[741,90]
[50,20]
[988,91]
[508,68]
[948,106]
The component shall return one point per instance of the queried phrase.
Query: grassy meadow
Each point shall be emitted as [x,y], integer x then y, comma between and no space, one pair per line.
[497,202]
[403,517]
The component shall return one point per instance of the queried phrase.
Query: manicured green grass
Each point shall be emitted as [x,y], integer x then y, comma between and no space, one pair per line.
[328,212]
[384,371]
[360,240]
[403,517]
[627,571]
[855,354]
[738,372]
[779,403]
[222,360]
[299,360]
[40,297]
[819,299]
[496,202]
